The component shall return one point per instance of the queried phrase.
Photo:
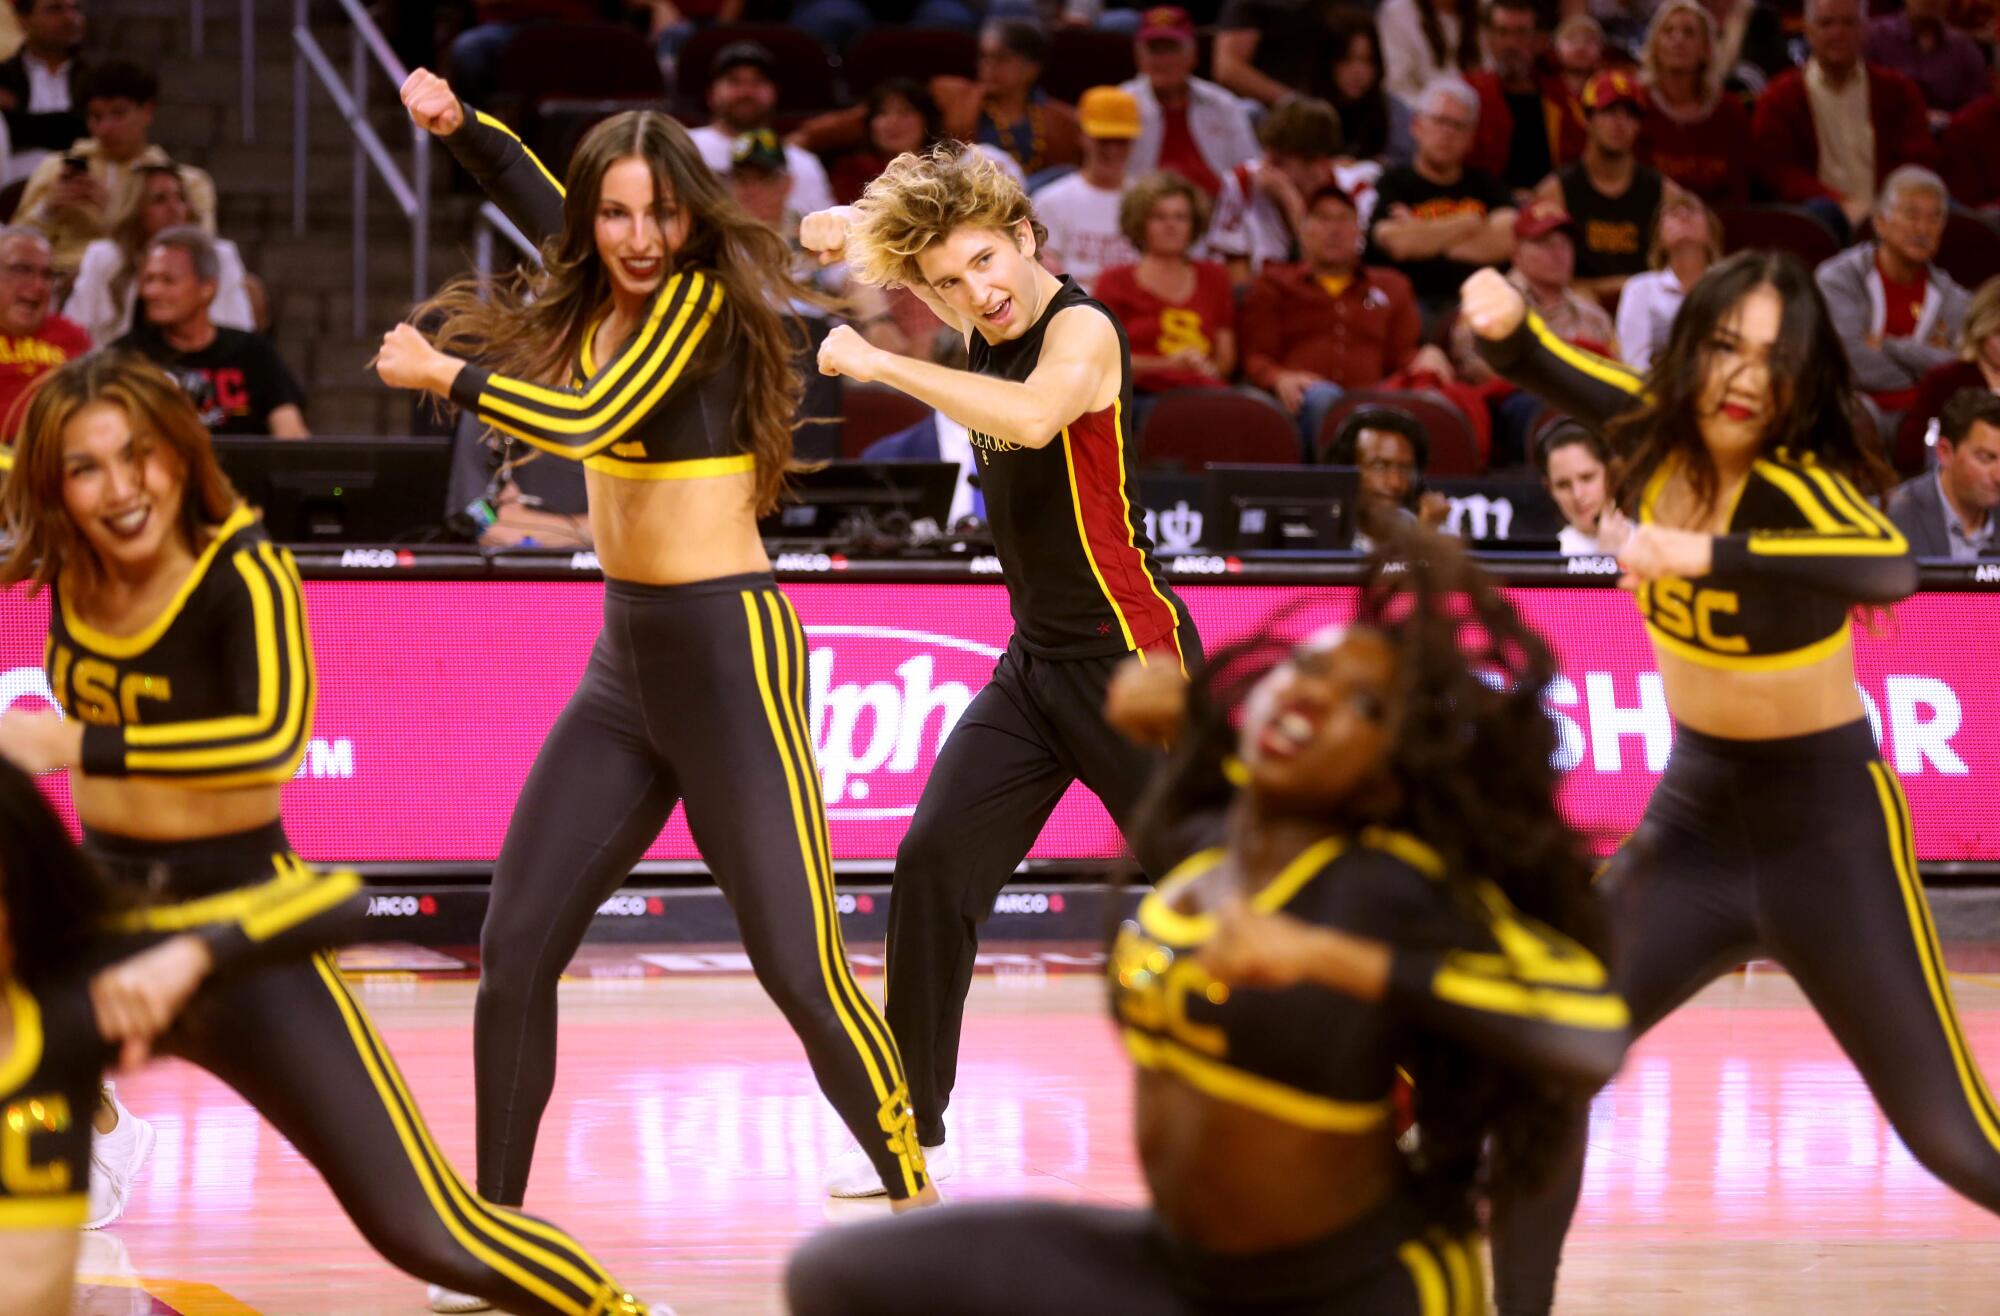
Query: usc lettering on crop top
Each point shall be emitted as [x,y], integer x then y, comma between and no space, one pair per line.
[1319,1059]
[1802,545]
[662,408]
[215,692]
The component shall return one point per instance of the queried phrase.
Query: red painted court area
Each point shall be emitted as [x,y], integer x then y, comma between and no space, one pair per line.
[1738,1165]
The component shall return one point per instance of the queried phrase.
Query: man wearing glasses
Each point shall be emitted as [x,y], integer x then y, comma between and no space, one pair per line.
[33,339]
[1438,219]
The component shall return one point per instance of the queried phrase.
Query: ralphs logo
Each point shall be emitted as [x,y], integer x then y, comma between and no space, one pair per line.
[883,700]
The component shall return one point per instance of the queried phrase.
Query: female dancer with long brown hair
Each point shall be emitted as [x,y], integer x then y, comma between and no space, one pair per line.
[178,649]
[1777,829]
[652,349]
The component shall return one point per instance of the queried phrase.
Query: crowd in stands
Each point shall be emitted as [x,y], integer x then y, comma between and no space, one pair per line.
[1278,198]
[111,242]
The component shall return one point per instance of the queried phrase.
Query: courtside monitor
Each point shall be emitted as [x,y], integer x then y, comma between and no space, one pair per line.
[341,490]
[1277,508]
[845,498]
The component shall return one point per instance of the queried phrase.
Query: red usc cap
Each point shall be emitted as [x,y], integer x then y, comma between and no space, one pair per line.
[1613,87]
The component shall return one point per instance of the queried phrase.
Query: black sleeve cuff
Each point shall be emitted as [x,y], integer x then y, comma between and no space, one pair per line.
[1730,556]
[1506,354]
[468,385]
[103,751]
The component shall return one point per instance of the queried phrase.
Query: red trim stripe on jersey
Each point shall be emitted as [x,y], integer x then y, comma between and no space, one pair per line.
[1095,448]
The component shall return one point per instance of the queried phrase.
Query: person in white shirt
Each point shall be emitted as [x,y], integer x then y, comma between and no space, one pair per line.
[1575,471]
[38,85]
[1424,38]
[741,97]
[1263,202]
[1194,127]
[153,199]
[1687,239]
[1080,210]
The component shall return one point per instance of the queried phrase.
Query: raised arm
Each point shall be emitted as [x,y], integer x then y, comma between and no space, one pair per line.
[1068,379]
[1524,351]
[1847,547]
[1520,992]
[518,182]
[266,657]
[580,422]
[1533,999]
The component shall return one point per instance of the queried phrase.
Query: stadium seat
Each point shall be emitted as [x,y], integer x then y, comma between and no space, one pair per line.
[1454,449]
[804,75]
[1781,228]
[556,73]
[1193,427]
[1970,251]
[1083,57]
[921,52]
[872,411]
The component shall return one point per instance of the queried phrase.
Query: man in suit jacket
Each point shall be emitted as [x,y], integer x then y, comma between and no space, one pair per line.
[936,438]
[38,86]
[1949,512]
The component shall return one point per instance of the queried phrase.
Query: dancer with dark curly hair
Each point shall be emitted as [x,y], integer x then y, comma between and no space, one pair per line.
[1777,830]
[1395,890]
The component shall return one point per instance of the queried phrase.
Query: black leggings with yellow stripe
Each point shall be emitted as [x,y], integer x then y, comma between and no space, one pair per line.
[695,693]
[1005,1258]
[1799,849]
[293,1040]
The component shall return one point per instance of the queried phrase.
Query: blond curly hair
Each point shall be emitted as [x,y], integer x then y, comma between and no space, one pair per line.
[923,198]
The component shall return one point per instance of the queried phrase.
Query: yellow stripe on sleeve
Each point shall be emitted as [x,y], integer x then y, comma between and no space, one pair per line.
[1602,369]
[493,123]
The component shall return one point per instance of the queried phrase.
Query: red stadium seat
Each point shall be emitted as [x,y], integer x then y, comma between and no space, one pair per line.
[1970,251]
[1454,449]
[804,75]
[873,411]
[1083,57]
[559,73]
[1196,426]
[907,52]
[1779,228]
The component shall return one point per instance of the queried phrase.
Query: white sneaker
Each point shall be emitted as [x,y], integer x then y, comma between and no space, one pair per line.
[852,1174]
[115,1158]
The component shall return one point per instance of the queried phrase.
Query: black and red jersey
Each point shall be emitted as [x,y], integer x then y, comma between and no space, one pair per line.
[1073,549]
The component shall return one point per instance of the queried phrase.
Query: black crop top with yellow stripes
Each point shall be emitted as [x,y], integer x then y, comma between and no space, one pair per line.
[1517,991]
[662,408]
[217,691]
[1802,544]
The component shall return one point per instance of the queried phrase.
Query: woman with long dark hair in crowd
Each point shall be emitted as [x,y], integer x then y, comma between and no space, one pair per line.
[1374,125]
[1394,888]
[178,648]
[1777,829]
[1422,39]
[653,348]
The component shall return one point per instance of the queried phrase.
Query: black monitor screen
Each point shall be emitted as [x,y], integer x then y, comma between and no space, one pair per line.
[341,490]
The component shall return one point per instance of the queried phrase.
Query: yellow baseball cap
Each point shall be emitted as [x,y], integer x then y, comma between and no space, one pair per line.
[1108,112]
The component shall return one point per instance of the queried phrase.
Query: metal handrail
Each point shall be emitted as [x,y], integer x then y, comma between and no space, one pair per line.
[412,195]
[493,220]
[246,125]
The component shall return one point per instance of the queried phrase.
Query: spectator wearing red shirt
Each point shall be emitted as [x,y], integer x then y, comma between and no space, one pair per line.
[1196,128]
[1898,315]
[33,340]
[1827,134]
[1695,133]
[1971,164]
[1313,331]
[1178,313]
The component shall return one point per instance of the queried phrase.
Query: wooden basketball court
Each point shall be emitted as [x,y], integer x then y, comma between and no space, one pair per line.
[1738,1165]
